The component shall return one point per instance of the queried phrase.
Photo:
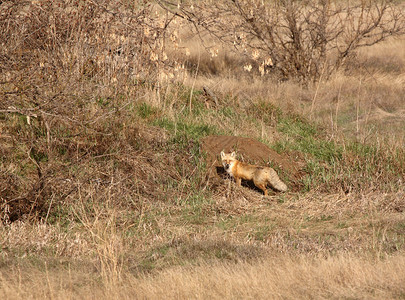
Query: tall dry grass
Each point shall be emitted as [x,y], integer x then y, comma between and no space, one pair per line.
[276,277]
[282,278]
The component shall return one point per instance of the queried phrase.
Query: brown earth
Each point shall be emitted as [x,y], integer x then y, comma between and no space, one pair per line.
[251,151]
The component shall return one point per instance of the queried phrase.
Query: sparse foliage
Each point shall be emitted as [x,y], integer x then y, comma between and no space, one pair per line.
[46,45]
[304,40]
[61,64]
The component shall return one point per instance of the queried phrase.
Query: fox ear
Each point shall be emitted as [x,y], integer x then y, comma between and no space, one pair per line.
[233,154]
[222,154]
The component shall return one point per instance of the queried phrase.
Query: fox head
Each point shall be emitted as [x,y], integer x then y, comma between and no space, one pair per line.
[227,160]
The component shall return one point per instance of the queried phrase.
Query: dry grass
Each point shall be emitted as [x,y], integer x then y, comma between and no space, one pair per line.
[281,277]
[365,101]
[276,277]
[104,191]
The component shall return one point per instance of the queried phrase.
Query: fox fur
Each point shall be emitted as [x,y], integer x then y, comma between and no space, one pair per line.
[261,176]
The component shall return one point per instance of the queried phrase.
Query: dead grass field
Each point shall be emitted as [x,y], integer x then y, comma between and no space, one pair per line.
[106,192]
[274,277]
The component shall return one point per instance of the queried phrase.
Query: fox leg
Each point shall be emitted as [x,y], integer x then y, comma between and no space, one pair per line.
[263,188]
[238,181]
[261,185]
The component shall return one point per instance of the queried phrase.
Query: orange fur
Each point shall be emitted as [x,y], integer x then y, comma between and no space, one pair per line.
[261,176]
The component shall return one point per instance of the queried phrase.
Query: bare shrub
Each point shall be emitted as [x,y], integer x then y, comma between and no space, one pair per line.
[304,40]
[54,45]
[67,70]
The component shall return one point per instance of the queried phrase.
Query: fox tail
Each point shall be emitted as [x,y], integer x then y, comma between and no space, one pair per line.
[276,182]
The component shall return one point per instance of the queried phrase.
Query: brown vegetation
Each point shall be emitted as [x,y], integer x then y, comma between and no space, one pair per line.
[304,40]
[108,134]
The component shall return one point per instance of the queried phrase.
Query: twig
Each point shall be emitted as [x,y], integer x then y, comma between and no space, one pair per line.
[195,78]
[316,91]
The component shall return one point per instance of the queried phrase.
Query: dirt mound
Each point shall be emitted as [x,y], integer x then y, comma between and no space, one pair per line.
[251,151]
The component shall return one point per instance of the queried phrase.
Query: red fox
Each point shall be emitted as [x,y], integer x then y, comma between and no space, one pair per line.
[261,176]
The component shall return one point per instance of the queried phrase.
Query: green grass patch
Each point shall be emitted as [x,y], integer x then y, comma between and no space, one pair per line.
[261,233]
[331,164]
[146,111]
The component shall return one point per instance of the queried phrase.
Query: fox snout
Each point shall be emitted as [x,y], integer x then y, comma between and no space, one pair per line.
[227,159]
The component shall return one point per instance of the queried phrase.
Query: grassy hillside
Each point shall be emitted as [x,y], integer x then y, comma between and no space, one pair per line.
[105,190]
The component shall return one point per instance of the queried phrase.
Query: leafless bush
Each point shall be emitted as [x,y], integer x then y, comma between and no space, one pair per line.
[61,63]
[300,39]
[55,45]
